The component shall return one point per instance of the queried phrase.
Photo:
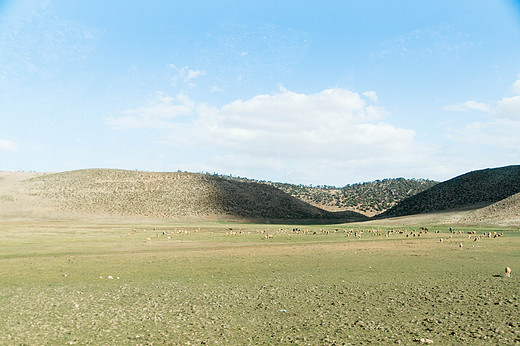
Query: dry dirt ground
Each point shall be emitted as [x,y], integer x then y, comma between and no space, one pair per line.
[116,281]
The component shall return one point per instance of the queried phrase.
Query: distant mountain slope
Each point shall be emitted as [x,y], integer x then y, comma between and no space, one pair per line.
[169,195]
[474,188]
[369,198]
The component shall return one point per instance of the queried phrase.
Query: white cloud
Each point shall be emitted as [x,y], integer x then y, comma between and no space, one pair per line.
[493,141]
[186,74]
[192,74]
[508,107]
[488,136]
[331,122]
[468,106]
[335,132]
[335,136]
[157,115]
[8,146]
[372,96]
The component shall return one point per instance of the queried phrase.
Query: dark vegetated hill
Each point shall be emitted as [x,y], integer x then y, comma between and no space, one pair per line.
[369,198]
[171,195]
[475,188]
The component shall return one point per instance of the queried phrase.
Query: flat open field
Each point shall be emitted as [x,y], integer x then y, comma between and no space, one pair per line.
[113,282]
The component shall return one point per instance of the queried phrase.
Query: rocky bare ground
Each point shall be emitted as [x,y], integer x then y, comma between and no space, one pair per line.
[269,312]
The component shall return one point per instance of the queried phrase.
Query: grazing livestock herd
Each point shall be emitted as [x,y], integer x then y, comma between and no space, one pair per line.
[269,234]
[354,233]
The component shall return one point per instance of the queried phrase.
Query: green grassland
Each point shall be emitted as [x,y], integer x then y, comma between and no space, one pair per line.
[80,282]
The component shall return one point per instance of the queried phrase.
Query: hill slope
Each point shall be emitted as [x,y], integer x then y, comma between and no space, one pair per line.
[477,188]
[504,212]
[368,198]
[168,195]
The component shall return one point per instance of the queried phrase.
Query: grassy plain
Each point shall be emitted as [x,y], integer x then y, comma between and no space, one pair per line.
[197,285]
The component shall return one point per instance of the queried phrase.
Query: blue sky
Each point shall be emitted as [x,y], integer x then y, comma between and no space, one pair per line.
[309,92]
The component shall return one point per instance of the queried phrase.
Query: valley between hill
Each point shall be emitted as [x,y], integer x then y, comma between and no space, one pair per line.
[489,196]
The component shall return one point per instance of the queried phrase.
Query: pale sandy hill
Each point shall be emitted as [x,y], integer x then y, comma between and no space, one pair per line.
[15,199]
[504,212]
[111,192]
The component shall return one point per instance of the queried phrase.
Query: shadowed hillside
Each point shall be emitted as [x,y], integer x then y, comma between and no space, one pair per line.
[474,189]
[368,198]
[170,195]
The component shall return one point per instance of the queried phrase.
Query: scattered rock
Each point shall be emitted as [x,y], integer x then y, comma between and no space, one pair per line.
[426,341]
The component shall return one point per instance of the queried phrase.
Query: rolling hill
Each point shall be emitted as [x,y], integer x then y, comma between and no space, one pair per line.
[368,198]
[475,189]
[486,195]
[160,195]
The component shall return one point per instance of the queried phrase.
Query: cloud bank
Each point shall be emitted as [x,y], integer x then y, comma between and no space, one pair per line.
[498,132]
[334,136]
[302,136]
[332,124]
